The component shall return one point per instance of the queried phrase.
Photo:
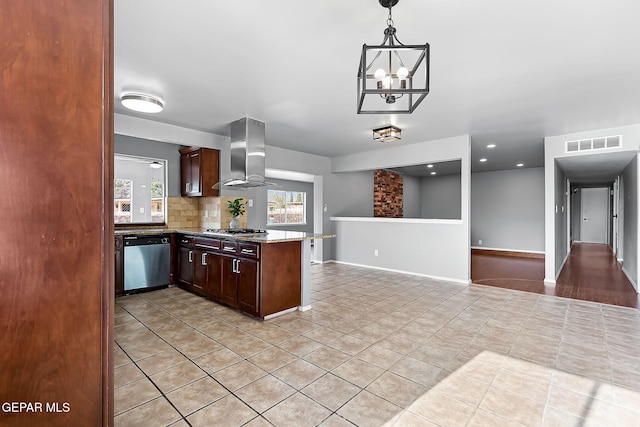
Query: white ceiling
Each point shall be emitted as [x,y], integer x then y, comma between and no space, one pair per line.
[503,71]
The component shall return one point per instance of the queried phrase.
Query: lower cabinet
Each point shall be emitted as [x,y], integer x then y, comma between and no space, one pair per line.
[248,280]
[240,282]
[185,265]
[258,279]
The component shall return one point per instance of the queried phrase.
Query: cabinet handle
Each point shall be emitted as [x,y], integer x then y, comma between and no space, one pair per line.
[228,249]
[238,266]
[190,256]
[203,261]
[247,251]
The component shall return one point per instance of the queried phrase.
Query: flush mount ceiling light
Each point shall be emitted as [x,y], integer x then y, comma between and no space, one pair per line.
[392,77]
[387,134]
[142,103]
[155,165]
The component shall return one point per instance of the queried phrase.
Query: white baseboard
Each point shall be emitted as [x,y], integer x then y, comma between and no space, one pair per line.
[280,313]
[304,308]
[447,279]
[484,248]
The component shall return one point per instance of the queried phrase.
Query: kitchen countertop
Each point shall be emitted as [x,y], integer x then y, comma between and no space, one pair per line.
[273,236]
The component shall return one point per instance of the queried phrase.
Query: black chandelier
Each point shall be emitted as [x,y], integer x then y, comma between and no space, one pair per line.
[400,78]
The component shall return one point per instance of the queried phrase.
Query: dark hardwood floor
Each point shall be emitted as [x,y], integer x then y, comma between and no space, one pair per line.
[591,273]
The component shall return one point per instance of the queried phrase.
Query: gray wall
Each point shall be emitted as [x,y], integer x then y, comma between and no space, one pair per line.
[411,188]
[154,149]
[507,209]
[346,194]
[576,214]
[441,197]
[630,248]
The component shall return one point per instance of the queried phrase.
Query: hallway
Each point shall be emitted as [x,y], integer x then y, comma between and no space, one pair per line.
[591,273]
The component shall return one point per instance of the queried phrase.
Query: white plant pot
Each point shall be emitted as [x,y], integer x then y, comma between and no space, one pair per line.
[235,223]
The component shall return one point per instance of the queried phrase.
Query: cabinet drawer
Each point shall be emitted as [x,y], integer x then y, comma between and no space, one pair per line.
[208,244]
[229,247]
[249,250]
[186,241]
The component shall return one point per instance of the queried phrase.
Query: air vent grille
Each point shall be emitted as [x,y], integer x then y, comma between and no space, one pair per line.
[601,143]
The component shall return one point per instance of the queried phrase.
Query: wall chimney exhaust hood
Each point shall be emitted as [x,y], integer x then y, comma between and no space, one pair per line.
[247,156]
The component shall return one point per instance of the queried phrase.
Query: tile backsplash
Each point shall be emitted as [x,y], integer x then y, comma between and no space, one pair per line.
[200,212]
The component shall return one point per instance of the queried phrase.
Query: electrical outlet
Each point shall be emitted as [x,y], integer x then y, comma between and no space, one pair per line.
[480,242]
[206,214]
[375,252]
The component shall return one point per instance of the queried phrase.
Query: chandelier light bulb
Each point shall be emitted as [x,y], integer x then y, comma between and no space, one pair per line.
[402,73]
[387,82]
[379,74]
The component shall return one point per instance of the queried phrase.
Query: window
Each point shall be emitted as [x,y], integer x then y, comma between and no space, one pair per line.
[286,207]
[139,190]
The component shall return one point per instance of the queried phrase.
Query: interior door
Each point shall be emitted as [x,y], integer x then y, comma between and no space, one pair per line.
[595,209]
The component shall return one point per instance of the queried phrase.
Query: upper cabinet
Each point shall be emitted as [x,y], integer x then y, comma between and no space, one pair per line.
[199,171]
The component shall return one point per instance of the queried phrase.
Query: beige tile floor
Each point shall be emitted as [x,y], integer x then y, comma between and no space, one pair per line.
[378,349]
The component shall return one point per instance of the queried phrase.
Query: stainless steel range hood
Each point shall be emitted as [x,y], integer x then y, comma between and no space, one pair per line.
[247,155]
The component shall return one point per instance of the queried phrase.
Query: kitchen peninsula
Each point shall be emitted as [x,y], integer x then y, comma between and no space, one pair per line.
[263,274]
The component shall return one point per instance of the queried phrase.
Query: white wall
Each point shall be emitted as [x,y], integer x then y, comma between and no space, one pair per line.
[631,238]
[554,147]
[507,210]
[426,247]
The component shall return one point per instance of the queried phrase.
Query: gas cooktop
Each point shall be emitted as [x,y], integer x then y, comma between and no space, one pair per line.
[234,231]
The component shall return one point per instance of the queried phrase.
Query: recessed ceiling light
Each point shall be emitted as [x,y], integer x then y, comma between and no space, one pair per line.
[429,166]
[491,146]
[142,103]
[520,165]
[433,173]
[483,160]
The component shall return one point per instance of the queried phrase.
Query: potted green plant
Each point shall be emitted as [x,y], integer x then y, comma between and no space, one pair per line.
[236,209]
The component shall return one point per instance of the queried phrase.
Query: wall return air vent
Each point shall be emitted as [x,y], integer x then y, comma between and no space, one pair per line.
[601,143]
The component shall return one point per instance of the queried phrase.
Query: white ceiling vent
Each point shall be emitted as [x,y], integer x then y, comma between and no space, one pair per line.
[601,143]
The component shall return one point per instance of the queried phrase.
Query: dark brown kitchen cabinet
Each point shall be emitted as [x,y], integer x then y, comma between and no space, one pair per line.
[248,290]
[241,276]
[206,267]
[198,266]
[258,279]
[229,283]
[199,171]
[119,265]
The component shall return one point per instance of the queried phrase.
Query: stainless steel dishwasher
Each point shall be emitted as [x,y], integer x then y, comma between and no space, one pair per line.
[146,262]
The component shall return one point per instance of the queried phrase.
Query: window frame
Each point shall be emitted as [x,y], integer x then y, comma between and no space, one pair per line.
[287,224]
[165,184]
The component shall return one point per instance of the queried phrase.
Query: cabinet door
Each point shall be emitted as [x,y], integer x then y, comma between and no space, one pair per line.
[199,270]
[119,266]
[214,276]
[194,173]
[185,174]
[229,281]
[248,289]
[185,265]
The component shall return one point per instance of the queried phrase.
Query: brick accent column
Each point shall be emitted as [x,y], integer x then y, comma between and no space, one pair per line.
[387,194]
